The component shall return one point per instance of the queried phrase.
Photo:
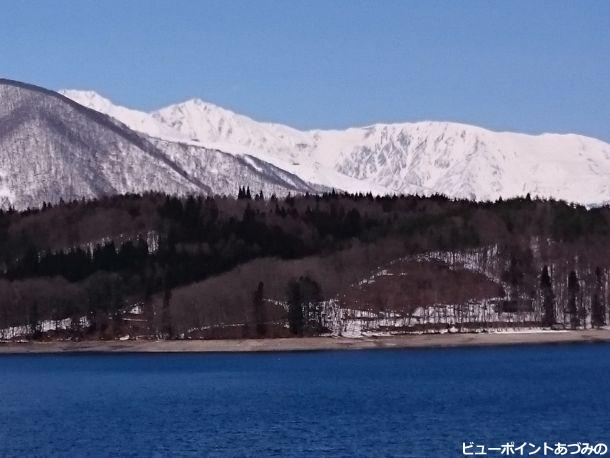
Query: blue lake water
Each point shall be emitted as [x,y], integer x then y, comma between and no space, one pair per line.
[411,403]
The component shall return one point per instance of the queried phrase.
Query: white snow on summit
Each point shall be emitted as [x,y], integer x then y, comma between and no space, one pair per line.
[136,120]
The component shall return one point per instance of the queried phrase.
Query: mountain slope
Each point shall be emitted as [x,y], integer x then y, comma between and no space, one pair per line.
[202,124]
[426,157]
[52,148]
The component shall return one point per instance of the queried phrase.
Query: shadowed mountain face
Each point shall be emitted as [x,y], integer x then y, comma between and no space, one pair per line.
[52,148]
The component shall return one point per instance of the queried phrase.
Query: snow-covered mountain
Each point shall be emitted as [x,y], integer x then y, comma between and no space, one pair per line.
[203,124]
[53,148]
[454,159]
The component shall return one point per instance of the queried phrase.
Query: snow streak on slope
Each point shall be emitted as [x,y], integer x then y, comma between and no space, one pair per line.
[457,160]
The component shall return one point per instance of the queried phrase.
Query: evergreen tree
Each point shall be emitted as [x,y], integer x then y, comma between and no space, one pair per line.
[166,319]
[548,298]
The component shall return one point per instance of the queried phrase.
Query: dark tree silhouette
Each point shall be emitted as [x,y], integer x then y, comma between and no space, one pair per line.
[259,310]
[573,291]
[304,312]
[548,298]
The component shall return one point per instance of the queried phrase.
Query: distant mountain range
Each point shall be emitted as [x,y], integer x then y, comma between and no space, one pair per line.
[78,144]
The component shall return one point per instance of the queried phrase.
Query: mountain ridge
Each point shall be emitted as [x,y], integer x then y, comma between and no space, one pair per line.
[454,159]
[78,144]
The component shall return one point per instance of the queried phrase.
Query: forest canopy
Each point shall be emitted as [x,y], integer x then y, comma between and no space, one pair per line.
[263,266]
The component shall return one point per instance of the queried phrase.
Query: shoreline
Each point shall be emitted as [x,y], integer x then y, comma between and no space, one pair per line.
[308,343]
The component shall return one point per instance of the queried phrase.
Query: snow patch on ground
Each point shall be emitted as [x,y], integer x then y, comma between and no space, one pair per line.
[14,332]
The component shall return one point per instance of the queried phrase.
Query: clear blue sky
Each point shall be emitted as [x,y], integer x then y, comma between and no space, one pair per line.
[529,66]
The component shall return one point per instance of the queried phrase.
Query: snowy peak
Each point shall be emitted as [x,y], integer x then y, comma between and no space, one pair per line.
[197,107]
[136,120]
[200,121]
[205,124]
[212,125]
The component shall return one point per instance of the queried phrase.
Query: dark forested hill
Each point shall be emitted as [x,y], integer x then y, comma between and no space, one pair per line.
[202,267]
